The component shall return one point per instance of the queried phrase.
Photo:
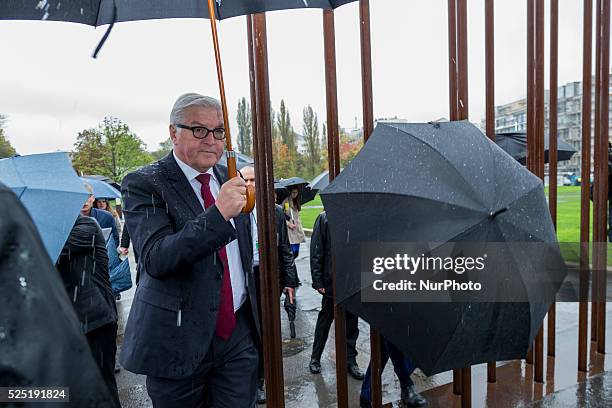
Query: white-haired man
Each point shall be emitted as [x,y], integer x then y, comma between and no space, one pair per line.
[193,321]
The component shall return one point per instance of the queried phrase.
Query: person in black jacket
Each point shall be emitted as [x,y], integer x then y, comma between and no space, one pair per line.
[320,268]
[83,266]
[41,343]
[287,272]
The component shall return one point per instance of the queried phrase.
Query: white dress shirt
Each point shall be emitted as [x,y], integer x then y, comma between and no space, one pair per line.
[232,249]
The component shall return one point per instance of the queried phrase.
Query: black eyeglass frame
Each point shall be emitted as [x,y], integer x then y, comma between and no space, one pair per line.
[193,131]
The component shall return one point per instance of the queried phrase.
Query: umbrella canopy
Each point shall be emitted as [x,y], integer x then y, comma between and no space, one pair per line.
[445,183]
[51,191]
[241,160]
[306,193]
[515,144]
[100,12]
[281,192]
[321,181]
[105,179]
[102,189]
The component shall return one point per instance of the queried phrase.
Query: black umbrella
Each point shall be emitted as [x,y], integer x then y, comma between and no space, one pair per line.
[515,144]
[101,12]
[306,193]
[281,192]
[445,187]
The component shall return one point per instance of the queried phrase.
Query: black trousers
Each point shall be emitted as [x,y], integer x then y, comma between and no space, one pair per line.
[324,322]
[226,378]
[103,346]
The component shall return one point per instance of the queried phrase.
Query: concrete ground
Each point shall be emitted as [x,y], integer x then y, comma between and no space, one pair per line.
[563,386]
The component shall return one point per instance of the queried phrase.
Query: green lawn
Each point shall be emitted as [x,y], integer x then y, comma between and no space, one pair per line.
[309,215]
[568,219]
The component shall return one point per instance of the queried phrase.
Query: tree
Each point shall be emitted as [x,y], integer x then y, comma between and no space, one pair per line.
[285,130]
[348,148]
[111,150]
[6,150]
[245,134]
[164,149]
[89,152]
[313,146]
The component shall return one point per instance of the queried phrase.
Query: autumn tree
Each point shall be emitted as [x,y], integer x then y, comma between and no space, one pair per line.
[111,150]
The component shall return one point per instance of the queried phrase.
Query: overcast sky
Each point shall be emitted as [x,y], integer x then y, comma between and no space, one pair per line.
[51,88]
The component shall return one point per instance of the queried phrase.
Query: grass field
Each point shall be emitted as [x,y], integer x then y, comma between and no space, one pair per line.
[568,219]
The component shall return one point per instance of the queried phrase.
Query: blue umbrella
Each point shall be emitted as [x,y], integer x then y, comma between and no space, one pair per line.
[51,191]
[102,189]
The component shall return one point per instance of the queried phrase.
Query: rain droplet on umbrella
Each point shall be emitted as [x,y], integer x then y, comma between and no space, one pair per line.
[22,282]
[178,319]
[76,292]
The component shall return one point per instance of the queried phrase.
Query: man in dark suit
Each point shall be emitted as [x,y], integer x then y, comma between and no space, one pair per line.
[320,269]
[287,272]
[193,323]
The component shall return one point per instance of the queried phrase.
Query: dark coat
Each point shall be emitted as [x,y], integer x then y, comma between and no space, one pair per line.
[41,343]
[106,220]
[286,263]
[174,311]
[83,266]
[320,255]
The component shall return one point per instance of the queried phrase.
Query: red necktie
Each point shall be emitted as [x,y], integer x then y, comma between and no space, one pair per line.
[226,319]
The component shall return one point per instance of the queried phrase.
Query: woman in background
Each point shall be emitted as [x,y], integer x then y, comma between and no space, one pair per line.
[103,204]
[292,208]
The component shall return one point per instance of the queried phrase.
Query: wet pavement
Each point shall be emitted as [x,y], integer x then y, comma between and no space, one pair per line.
[563,386]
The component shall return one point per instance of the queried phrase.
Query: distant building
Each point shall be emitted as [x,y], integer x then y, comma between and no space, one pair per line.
[512,117]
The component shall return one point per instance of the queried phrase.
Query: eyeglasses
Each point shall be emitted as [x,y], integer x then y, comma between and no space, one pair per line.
[200,132]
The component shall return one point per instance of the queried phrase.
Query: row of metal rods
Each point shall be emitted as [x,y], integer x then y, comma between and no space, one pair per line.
[458,95]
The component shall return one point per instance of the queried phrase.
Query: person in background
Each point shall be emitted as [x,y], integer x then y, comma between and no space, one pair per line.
[104,204]
[287,272]
[104,218]
[320,269]
[292,208]
[403,369]
[83,266]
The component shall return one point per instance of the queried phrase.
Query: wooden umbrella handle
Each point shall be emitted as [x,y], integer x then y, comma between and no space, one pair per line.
[231,155]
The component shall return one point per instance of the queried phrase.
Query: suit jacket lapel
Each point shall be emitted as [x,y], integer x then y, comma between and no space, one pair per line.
[179,183]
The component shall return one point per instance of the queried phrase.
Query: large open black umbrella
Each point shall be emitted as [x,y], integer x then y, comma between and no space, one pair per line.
[100,12]
[515,144]
[444,187]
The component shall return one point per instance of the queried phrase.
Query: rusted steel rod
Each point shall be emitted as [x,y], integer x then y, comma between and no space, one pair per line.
[585,205]
[452,60]
[266,227]
[600,190]
[539,156]
[552,154]
[596,211]
[368,127]
[333,154]
[490,108]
